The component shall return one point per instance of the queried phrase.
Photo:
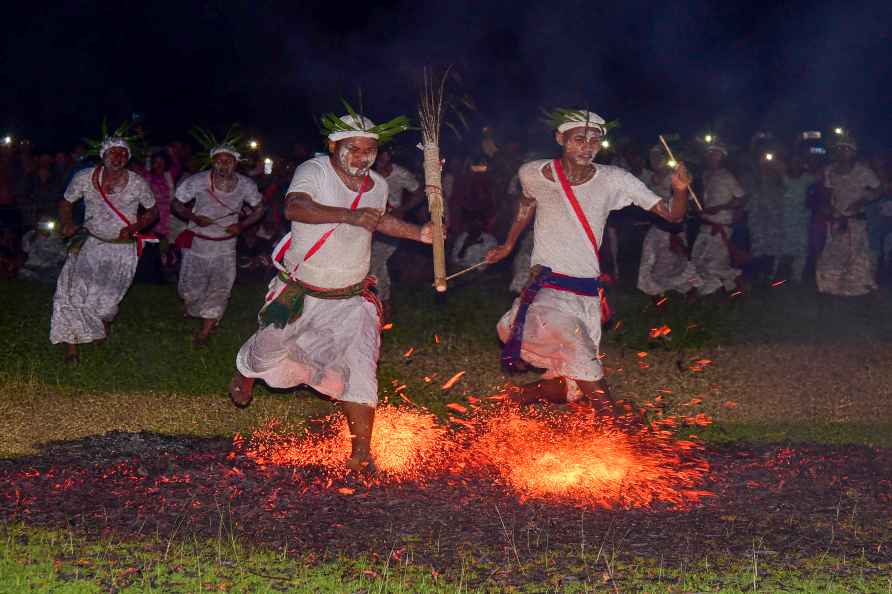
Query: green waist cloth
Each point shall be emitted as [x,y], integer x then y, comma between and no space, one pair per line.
[289,305]
[74,243]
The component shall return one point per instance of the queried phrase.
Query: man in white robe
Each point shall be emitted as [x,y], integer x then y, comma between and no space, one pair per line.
[722,195]
[665,265]
[208,267]
[403,195]
[846,267]
[556,322]
[100,267]
[321,323]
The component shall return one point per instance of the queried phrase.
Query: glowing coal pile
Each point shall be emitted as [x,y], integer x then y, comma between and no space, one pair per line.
[406,444]
[585,459]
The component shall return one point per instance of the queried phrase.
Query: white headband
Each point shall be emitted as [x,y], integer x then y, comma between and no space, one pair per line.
[225,148]
[584,118]
[110,143]
[359,126]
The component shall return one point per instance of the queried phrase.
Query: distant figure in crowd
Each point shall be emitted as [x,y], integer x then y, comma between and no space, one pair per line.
[208,245]
[722,195]
[846,266]
[104,252]
[404,193]
[665,264]
[44,251]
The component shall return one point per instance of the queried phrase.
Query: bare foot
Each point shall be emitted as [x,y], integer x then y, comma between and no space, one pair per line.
[241,390]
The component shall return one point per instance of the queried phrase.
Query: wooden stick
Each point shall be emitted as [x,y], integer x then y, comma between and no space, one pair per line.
[433,189]
[468,269]
[671,156]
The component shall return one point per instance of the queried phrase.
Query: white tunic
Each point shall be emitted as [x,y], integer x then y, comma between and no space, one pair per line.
[399,181]
[333,346]
[208,269]
[710,252]
[563,330]
[662,269]
[94,281]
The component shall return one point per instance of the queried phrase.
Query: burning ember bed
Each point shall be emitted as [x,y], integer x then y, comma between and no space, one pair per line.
[498,482]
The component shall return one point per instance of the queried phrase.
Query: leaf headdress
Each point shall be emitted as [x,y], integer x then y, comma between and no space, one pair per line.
[339,127]
[231,144]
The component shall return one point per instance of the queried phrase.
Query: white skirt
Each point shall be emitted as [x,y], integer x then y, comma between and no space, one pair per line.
[562,334]
[90,287]
[333,348]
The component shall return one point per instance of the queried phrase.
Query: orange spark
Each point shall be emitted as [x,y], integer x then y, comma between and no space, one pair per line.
[405,443]
[778,283]
[585,459]
[661,331]
[408,353]
[457,407]
[662,301]
[387,326]
[642,354]
[453,380]
[437,338]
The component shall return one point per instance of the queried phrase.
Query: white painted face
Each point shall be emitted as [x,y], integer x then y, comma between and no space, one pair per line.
[356,155]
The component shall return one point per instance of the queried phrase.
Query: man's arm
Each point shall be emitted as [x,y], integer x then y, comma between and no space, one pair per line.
[66,209]
[525,212]
[185,212]
[681,181]
[251,219]
[302,208]
[394,227]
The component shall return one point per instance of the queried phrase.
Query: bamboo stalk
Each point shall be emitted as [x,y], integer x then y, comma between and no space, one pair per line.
[466,270]
[433,188]
[671,156]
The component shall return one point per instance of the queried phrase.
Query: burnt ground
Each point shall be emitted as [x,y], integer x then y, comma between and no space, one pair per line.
[783,502]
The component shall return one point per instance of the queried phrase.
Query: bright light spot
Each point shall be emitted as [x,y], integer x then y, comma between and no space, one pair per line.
[605,143]
[672,163]
[708,138]
[51,225]
[769,156]
[253,145]
[7,140]
[838,130]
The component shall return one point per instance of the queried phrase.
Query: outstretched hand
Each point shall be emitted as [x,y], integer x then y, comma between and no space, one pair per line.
[681,179]
[498,253]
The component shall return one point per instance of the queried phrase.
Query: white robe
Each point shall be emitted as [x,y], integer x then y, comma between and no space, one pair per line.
[208,268]
[399,180]
[94,281]
[333,347]
[663,269]
[710,253]
[563,330]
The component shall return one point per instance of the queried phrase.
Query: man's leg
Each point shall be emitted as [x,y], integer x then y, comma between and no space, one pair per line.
[241,390]
[552,390]
[360,421]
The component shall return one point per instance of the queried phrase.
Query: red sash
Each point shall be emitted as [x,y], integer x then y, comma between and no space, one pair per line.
[280,253]
[140,238]
[606,312]
[282,248]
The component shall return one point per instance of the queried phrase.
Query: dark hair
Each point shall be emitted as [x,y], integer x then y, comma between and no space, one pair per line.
[164,157]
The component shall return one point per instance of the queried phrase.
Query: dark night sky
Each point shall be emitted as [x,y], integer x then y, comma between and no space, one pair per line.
[657,66]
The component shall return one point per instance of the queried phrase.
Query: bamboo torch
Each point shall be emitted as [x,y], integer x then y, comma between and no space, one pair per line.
[430,112]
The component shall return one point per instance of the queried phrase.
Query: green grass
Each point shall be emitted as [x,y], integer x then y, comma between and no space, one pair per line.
[39,560]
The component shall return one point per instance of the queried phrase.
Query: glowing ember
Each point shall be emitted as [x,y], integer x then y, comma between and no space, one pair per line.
[408,353]
[778,283]
[452,380]
[661,331]
[404,442]
[585,459]
[388,326]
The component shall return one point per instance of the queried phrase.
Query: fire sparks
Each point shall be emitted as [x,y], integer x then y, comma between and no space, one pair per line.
[453,380]
[585,459]
[661,331]
[578,459]
[409,353]
[403,442]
